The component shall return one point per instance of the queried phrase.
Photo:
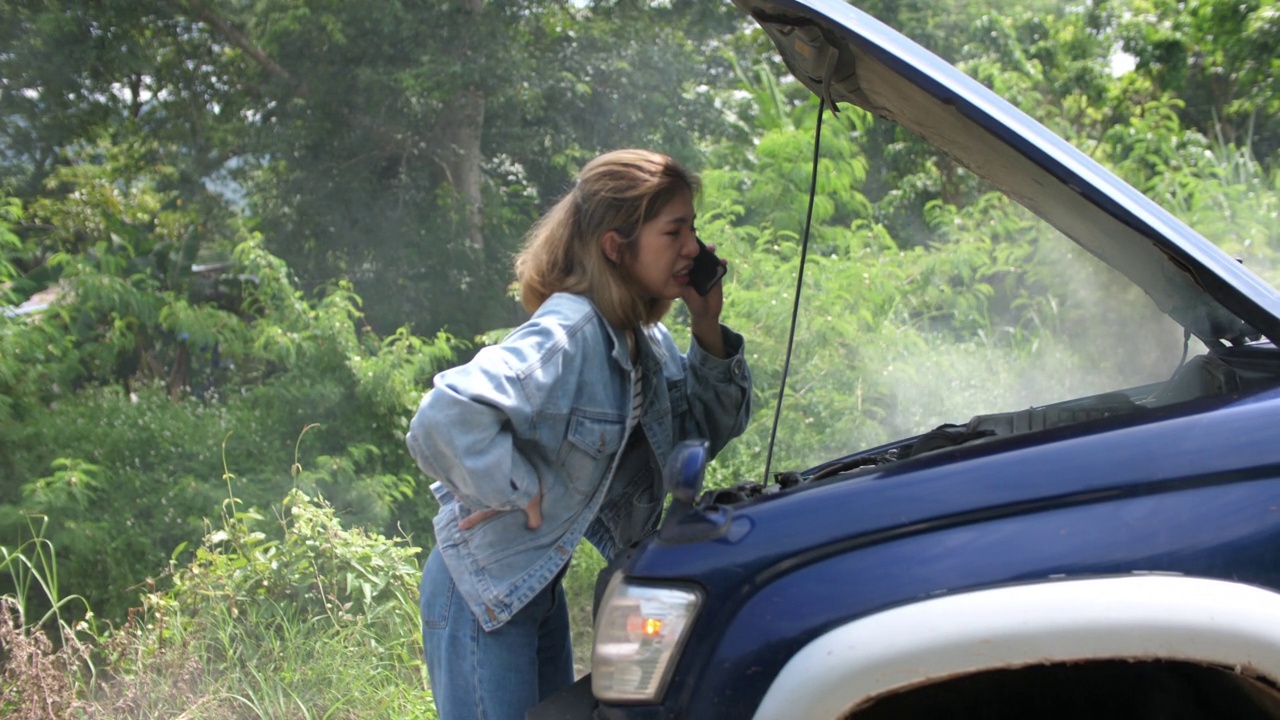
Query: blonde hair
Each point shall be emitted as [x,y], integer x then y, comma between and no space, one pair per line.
[618,191]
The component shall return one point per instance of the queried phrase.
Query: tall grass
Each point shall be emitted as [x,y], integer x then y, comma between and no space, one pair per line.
[41,658]
[285,615]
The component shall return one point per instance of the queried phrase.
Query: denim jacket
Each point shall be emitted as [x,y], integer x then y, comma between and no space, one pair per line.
[547,409]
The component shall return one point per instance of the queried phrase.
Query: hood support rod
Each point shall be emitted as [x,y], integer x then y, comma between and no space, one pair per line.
[795,305]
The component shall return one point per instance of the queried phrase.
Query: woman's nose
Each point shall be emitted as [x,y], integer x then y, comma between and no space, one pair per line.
[690,247]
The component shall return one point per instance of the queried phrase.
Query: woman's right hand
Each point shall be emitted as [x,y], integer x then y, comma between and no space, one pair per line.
[533,510]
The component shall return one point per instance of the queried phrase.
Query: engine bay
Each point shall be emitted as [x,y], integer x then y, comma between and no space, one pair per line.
[1227,371]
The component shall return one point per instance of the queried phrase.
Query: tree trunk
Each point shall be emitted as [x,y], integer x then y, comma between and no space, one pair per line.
[458,135]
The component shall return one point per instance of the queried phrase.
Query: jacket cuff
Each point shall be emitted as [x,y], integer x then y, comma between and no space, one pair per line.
[731,369]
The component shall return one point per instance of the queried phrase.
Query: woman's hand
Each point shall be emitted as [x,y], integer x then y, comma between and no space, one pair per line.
[533,510]
[704,315]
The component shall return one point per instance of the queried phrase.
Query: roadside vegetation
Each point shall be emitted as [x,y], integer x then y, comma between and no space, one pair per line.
[235,248]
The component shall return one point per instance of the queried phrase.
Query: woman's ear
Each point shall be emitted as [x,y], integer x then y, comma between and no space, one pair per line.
[611,242]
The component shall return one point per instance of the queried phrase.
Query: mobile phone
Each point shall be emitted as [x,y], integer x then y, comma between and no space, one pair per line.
[707,270]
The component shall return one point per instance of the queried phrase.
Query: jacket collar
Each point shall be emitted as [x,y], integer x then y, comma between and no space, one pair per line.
[651,353]
[620,352]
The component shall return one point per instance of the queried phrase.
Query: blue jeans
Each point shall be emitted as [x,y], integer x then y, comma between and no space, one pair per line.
[498,675]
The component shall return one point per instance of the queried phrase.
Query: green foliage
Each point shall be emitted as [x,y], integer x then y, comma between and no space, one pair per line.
[402,147]
[580,591]
[1193,126]
[132,473]
[1219,57]
[945,299]
[44,658]
[119,397]
[10,246]
[1230,198]
[31,566]
[294,616]
[301,566]
[213,192]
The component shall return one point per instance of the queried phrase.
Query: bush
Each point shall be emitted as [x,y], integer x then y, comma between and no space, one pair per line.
[290,616]
[122,462]
[41,658]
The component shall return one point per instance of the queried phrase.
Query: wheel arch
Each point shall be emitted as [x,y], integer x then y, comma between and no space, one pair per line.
[1135,617]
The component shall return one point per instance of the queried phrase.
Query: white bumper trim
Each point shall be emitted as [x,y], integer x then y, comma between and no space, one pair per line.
[1132,617]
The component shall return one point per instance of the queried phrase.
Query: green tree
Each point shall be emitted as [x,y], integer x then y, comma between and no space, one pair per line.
[1220,58]
[403,146]
[120,398]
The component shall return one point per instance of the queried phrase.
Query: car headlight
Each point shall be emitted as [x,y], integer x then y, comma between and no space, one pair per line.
[639,634]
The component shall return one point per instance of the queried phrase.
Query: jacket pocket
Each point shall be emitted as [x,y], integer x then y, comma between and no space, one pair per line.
[592,442]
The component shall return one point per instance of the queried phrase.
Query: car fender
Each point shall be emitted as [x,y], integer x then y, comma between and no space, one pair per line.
[1139,617]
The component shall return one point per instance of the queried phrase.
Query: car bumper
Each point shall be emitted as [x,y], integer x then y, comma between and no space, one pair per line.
[573,703]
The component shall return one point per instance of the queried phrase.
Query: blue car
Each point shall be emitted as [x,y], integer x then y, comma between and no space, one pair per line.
[1101,546]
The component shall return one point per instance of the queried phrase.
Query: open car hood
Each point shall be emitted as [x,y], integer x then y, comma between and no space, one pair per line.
[844,55]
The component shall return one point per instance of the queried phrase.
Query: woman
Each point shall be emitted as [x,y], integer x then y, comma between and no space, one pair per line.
[560,432]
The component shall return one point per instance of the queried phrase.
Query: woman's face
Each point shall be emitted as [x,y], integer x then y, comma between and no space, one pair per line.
[663,252]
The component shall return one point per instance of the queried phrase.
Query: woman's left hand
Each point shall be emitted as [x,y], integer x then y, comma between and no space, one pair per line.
[533,512]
